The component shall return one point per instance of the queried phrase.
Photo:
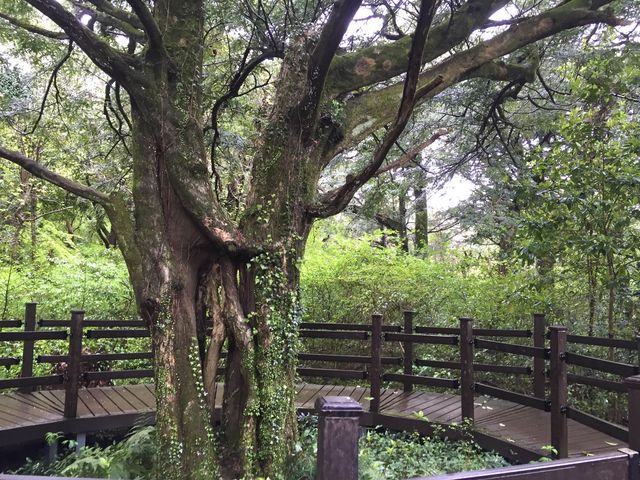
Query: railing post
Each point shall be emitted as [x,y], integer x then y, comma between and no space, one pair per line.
[408,349]
[72,380]
[467,386]
[375,369]
[633,387]
[539,379]
[27,345]
[559,394]
[338,432]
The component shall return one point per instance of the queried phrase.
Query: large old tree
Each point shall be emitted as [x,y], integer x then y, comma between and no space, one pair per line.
[196,257]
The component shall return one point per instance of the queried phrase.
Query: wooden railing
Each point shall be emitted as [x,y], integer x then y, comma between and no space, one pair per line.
[337,458]
[338,454]
[465,339]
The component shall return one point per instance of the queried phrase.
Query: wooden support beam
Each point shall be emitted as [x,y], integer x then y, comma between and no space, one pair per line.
[28,344]
[467,382]
[72,380]
[559,393]
[408,349]
[375,369]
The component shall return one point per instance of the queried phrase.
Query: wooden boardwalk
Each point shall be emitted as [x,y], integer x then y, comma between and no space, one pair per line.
[502,425]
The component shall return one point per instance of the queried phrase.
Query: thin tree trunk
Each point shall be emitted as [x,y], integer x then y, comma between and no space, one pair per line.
[593,291]
[611,328]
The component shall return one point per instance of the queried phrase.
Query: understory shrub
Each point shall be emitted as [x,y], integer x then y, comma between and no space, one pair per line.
[383,456]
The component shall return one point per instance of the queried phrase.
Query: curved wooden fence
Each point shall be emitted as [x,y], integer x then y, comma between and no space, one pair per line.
[548,353]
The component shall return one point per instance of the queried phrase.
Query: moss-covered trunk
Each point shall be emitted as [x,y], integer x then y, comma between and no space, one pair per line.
[188,273]
[183,282]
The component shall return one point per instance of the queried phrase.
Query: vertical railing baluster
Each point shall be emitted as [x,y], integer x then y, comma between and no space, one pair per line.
[72,380]
[408,349]
[28,345]
[375,369]
[539,378]
[633,389]
[559,391]
[467,382]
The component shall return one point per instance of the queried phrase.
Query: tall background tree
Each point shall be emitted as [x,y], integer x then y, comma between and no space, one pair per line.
[212,215]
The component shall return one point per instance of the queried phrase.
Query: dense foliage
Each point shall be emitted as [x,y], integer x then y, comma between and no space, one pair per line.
[383,456]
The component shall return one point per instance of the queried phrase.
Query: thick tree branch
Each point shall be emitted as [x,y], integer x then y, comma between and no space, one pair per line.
[334,29]
[336,200]
[364,115]
[44,173]
[108,8]
[105,19]
[116,64]
[385,61]
[33,29]
[149,25]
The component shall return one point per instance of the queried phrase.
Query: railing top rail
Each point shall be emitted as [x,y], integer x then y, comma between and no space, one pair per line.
[608,366]
[93,323]
[605,342]
[618,465]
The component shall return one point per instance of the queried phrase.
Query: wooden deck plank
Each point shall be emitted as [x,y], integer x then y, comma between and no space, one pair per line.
[47,396]
[484,414]
[445,410]
[103,409]
[518,424]
[422,406]
[389,402]
[322,391]
[407,405]
[133,400]
[7,422]
[139,392]
[433,405]
[86,403]
[101,395]
[35,401]
[305,395]
[121,401]
[26,410]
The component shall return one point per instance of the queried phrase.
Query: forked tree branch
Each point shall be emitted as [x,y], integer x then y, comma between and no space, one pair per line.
[108,8]
[50,176]
[323,53]
[410,155]
[385,61]
[336,200]
[364,115]
[113,62]
[131,31]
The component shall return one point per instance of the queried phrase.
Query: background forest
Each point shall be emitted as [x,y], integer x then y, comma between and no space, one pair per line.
[551,224]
